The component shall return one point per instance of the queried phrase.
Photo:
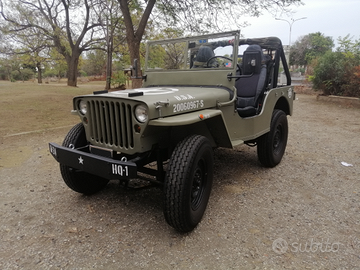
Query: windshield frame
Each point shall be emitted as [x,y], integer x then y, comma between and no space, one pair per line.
[188,42]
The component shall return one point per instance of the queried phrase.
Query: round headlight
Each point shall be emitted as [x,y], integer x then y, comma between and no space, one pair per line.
[141,113]
[83,107]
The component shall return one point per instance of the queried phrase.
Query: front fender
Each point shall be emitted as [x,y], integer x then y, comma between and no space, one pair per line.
[185,119]
[211,120]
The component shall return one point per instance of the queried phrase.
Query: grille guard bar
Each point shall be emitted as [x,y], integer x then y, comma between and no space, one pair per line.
[85,161]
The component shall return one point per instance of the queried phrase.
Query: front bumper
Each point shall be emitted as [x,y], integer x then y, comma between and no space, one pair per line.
[85,161]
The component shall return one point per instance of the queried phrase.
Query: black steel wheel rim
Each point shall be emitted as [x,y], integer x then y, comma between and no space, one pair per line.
[278,138]
[198,185]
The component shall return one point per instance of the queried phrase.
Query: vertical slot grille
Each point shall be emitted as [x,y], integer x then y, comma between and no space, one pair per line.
[111,123]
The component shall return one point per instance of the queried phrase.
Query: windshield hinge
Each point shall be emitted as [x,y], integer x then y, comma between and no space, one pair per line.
[160,104]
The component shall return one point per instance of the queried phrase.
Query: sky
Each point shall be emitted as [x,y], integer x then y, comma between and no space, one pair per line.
[334,18]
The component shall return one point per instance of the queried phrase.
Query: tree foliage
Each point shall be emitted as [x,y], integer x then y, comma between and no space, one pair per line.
[95,63]
[71,26]
[309,47]
[202,16]
[55,65]
[111,23]
[29,44]
[194,16]
[13,68]
[338,73]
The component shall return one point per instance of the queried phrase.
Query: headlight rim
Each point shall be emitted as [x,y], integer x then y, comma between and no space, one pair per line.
[82,106]
[141,118]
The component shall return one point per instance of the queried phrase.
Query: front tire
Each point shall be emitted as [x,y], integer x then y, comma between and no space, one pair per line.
[271,146]
[188,183]
[80,181]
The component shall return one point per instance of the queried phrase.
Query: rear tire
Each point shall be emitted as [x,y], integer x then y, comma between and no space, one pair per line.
[188,183]
[271,146]
[80,181]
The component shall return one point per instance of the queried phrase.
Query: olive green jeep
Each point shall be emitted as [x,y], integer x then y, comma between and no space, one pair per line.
[198,93]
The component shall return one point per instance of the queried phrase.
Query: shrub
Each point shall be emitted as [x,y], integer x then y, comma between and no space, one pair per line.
[329,73]
[50,73]
[118,80]
[337,73]
[82,73]
[25,75]
[352,87]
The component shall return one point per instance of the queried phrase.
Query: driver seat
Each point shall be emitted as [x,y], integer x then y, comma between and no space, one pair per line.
[249,90]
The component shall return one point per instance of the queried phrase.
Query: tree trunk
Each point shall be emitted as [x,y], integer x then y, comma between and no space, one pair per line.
[135,54]
[108,71]
[39,78]
[109,62]
[133,37]
[22,75]
[72,63]
[136,83]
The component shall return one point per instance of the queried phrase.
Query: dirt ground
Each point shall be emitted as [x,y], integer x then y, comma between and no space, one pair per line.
[302,214]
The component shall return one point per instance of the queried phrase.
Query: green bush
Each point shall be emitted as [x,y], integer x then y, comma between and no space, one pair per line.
[49,72]
[25,75]
[336,74]
[328,73]
[118,79]
[82,73]
[352,87]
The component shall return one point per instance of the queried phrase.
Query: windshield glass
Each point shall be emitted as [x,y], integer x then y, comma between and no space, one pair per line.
[194,53]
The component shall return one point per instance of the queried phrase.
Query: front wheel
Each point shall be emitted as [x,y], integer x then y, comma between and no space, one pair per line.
[271,146]
[80,181]
[188,183]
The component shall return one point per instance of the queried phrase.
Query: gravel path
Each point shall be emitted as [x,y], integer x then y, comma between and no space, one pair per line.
[302,214]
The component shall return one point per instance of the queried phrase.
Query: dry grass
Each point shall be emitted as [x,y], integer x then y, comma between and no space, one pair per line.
[26,107]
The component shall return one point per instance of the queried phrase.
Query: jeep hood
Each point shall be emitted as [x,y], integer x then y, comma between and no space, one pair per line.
[172,100]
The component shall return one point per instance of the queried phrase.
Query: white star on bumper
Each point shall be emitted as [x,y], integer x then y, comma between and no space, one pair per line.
[81,161]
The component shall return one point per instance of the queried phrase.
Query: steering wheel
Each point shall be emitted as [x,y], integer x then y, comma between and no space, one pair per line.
[224,57]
